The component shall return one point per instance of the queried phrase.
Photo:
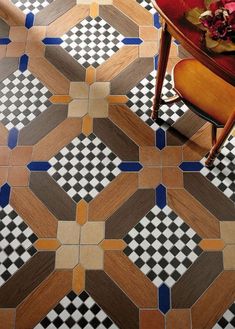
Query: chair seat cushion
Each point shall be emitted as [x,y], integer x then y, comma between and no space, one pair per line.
[205,90]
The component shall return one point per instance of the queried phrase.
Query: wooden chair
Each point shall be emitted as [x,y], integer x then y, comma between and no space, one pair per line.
[207,95]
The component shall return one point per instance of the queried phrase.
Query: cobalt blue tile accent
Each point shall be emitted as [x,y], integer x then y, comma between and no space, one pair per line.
[24,60]
[157,23]
[39,166]
[156,62]
[29,20]
[52,41]
[13,138]
[132,41]
[130,166]
[160,138]
[191,166]
[4,41]
[164,298]
[5,195]
[161,196]
[176,42]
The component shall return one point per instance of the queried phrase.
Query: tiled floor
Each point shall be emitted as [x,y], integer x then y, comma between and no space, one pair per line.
[107,219]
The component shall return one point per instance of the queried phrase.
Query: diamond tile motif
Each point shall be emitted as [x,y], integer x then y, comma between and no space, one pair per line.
[16,243]
[92,41]
[228,319]
[140,101]
[22,98]
[222,175]
[33,6]
[162,246]
[147,5]
[84,167]
[77,312]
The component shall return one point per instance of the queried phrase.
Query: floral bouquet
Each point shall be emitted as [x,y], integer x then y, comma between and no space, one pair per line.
[217,20]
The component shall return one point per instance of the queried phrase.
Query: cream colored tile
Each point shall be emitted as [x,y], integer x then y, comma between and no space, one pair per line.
[78,108]
[79,90]
[229,257]
[227,230]
[92,233]
[68,232]
[100,90]
[67,257]
[98,108]
[148,49]
[91,257]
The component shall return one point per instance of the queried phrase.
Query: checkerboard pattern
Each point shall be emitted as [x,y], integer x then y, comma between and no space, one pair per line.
[33,6]
[140,101]
[84,167]
[222,175]
[75,312]
[92,41]
[147,5]
[22,98]
[162,246]
[228,319]
[16,243]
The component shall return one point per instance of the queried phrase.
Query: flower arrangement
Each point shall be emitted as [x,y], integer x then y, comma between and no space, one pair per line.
[217,20]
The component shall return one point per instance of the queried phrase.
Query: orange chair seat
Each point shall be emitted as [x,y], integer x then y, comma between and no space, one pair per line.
[205,90]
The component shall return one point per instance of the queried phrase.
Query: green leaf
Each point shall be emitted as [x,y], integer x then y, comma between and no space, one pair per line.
[193,15]
[223,47]
[210,43]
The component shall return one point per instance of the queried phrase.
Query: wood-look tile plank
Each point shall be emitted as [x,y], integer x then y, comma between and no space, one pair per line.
[129,214]
[33,212]
[53,196]
[47,244]
[18,176]
[55,140]
[8,66]
[178,319]
[172,177]
[209,196]
[78,279]
[153,319]
[135,128]
[212,244]
[196,280]
[11,14]
[7,318]
[150,177]
[130,279]
[26,279]
[43,299]
[116,139]
[214,302]
[117,192]
[193,213]
[112,300]
[113,245]
[117,63]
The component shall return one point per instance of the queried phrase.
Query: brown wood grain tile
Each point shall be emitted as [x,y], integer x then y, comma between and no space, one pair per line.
[8,66]
[197,279]
[51,144]
[193,213]
[171,156]
[18,176]
[130,279]
[65,63]
[3,133]
[150,156]
[43,299]
[115,139]
[135,128]
[35,49]
[7,318]
[53,196]
[178,319]
[172,177]
[150,177]
[117,192]
[4,155]
[117,63]
[209,196]
[214,302]
[129,214]
[119,21]
[21,155]
[43,124]
[26,279]
[11,14]
[152,319]
[112,300]
[15,49]
[148,33]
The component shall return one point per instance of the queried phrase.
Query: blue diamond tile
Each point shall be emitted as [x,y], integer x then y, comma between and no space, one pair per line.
[130,166]
[164,298]
[24,60]
[5,195]
[4,41]
[132,41]
[191,166]
[160,139]
[161,196]
[13,138]
[52,41]
[39,166]
[29,20]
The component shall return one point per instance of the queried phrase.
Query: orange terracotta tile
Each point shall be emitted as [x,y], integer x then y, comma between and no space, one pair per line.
[172,177]
[149,177]
[35,49]
[78,279]
[15,49]
[117,99]
[178,319]
[4,155]
[82,212]
[18,176]
[60,99]
[11,14]
[3,134]
[21,156]
[90,75]
[87,125]
[113,245]
[171,156]
[36,33]
[148,33]
[151,319]
[3,175]
[18,33]
[210,244]
[7,318]
[150,156]
[148,49]
[94,10]
[47,244]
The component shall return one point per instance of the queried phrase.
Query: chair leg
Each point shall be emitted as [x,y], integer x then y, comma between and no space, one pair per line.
[219,143]
[213,134]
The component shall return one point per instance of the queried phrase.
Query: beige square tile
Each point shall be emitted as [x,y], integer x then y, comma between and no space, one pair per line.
[18,33]
[227,230]
[18,176]
[149,177]
[68,232]
[78,108]
[4,155]
[148,33]
[91,257]
[172,156]
[150,156]
[15,49]
[100,90]
[67,257]
[35,49]
[3,175]
[21,155]
[36,33]
[92,233]
[229,257]
[148,49]
[79,90]
[98,108]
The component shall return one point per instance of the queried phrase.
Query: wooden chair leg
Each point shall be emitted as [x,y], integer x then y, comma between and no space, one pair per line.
[219,143]
[213,134]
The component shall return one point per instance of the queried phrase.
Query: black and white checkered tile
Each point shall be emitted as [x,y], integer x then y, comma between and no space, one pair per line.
[22,98]
[75,312]
[147,5]
[228,319]
[162,246]
[222,175]
[140,101]
[33,6]
[92,41]
[16,243]
[84,167]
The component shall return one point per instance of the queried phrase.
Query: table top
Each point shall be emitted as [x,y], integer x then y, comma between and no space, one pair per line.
[191,37]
